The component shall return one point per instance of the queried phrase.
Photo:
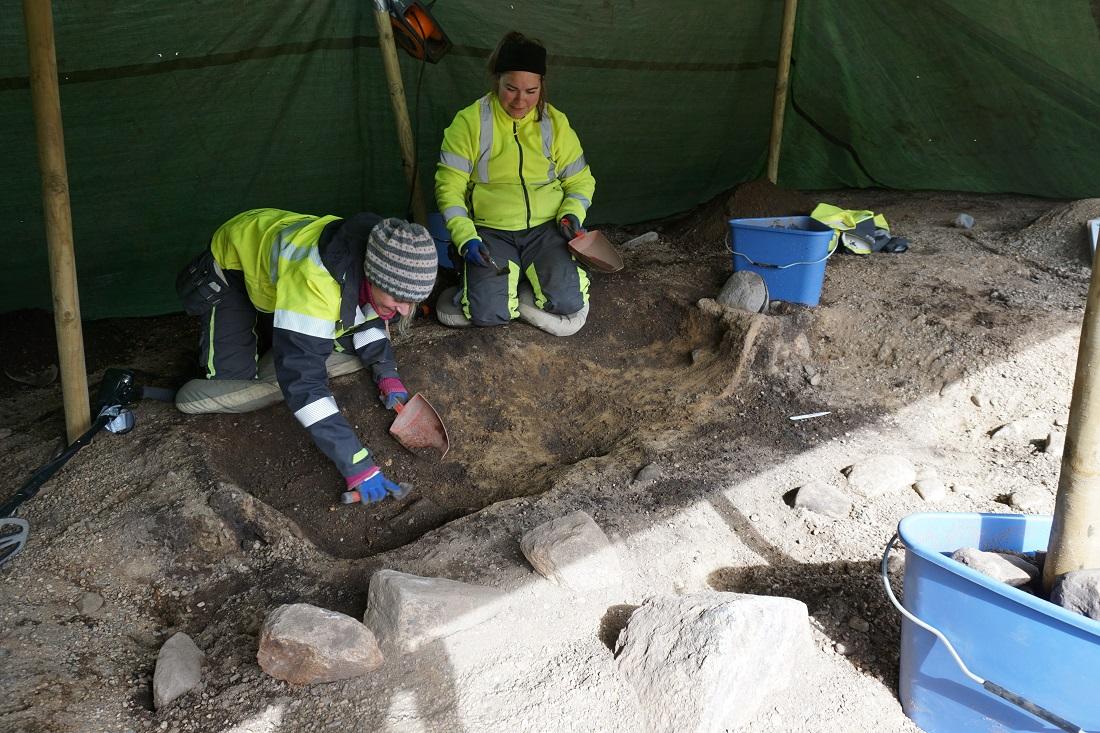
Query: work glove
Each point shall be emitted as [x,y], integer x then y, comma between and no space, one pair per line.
[476,253]
[391,392]
[376,487]
[570,227]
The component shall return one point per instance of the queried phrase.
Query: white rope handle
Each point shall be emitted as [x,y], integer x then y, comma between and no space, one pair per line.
[754,263]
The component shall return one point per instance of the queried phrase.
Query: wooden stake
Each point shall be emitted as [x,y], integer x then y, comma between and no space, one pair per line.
[782,75]
[46,100]
[400,108]
[1075,535]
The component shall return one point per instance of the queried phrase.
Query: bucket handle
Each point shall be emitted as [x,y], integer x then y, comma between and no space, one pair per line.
[752,262]
[1006,694]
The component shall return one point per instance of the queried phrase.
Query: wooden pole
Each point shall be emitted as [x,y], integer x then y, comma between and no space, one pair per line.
[1075,535]
[400,108]
[782,76]
[46,100]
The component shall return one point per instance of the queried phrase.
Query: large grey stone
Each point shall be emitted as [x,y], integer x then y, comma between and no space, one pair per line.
[882,474]
[1006,568]
[1079,591]
[407,611]
[572,551]
[709,661]
[819,497]
[178,670]
[744,290]
[304,644]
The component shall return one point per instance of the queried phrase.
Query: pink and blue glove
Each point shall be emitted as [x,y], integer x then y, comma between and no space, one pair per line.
[375,487]
[391,392]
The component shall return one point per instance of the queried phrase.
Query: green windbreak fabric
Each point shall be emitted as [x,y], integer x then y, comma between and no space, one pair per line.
[178,116]
[969,95]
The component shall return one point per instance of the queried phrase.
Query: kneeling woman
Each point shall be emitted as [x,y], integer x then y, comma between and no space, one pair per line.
[513,187]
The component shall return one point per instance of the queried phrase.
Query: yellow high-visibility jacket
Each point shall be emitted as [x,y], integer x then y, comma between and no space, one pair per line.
[509,174]
[271,245]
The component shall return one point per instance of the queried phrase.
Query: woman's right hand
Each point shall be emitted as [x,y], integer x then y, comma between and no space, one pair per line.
[474,252]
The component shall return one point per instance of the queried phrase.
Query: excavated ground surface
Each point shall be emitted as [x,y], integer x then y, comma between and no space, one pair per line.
[206,523]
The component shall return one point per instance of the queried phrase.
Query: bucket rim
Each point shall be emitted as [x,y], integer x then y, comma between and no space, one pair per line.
[765,223]
[909,524]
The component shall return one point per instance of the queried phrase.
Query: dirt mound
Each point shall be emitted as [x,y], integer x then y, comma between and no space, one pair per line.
[1062,232]
[763,198]
[749,200]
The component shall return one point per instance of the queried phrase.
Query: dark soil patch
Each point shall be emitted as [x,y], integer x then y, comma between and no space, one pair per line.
[518,405]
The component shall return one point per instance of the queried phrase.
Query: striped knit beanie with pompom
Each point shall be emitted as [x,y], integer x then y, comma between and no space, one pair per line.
[401,260]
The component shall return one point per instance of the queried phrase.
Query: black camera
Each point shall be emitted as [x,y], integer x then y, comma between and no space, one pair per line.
[117,388]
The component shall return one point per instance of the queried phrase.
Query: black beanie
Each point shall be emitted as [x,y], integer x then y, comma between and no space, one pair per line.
[521,56]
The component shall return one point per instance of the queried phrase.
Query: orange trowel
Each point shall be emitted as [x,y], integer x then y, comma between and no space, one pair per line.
[595,250]
[419,426]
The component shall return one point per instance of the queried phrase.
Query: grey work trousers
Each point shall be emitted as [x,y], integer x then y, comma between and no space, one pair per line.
[540,256]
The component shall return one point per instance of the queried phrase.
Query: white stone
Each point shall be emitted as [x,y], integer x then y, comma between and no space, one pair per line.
[1055,444]
[304,644]
[819,497]
[572,551]
[709,661]
[1011,432]
[882,474]
[407,611]
[1006,568]
[89,603]
[178,670]
[931,489]
[1032,501]
[641,239]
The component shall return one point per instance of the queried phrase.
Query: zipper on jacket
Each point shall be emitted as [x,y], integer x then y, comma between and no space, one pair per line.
[522,183]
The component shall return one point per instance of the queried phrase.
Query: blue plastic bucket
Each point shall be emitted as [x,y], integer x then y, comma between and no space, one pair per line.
[438,229]
[789,252]
[1040,651]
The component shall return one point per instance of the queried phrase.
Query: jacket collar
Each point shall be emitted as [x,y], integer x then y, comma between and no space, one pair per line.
[342,246]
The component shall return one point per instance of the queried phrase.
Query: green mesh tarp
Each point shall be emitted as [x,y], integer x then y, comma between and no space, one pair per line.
[178,116]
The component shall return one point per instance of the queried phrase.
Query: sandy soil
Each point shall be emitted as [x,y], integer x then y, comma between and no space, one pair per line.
[204,524]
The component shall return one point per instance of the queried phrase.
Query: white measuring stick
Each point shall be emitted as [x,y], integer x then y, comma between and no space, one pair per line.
[810,415]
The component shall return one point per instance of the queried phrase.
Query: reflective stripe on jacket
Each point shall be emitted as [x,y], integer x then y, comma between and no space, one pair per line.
[509,174]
